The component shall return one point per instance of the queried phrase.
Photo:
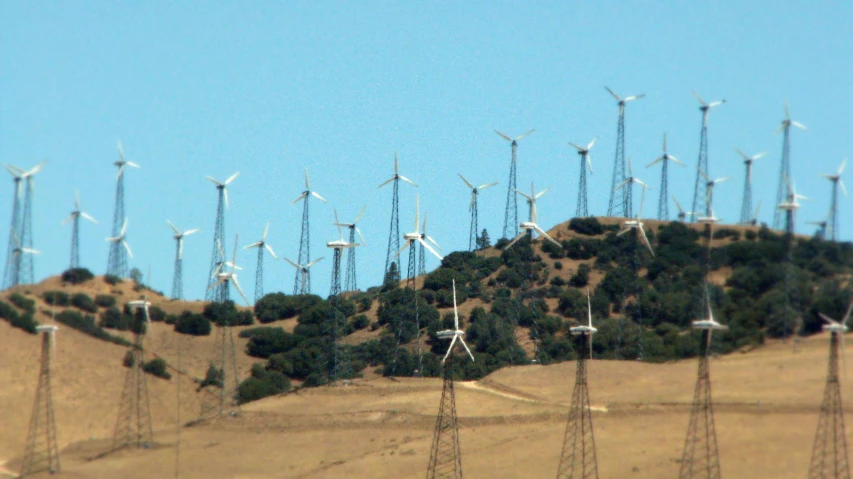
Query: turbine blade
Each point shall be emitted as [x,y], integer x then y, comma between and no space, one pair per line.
[744,155]
[429,248]
[66,220]
[130,163]
[657,160]
[300,197]
[253,245]
[383,184]
[307,184]
[266,230]
[703,174]
[449,349]
[239,289]
[544,234]
[360,214]
[515,240]
[614,94]
[676,160]
[524,195]
[466,348]
[843,189]
[358,231]
[232,177]
[180,248]
[518,138]
[504,136]
[591,143]
[467,183]
[315,195]
[269,248]
[455,310]
[127,247]
[408,180]
[646,240]
[429,238]
[401,249]
[314,262]
[123,228]
[699,98]
[174,228]
[214,181]
[677,204]
[799,125]
[77,198]
[189,232]
[292,263]
[538,195]
[578,147]
[623,231]
[841,168]
[225,194]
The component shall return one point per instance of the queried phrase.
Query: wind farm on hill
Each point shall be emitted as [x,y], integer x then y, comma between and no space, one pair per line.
[130,383]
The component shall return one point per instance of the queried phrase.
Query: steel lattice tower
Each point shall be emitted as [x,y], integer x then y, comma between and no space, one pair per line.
[75,243]
[663,200]
[351,283]
[412,271]
[785,167]
[832,219]
[302,280]
[582,211]
[216,257]
[259,276]
[339,367]
[222,392]
[178,276]
[829,454]
[700,458]
[445,460]
[620,200]
[511,211]
[25,260]
[746,217]
[473,234]
[10,274]
[133,427]
[578,459]
[42,450]
[117,260]
[701,204]
[394,233]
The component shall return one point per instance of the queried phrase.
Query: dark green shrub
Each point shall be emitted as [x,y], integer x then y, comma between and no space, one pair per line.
[105,300]
[156,314]
[264,342]
[23,302]
[114,318]
[77,275]
[360,321]
[21,321]
[84,302]
[586,226]
[262,383]
[581,277]
[277,306]
[129,359]
[112,279]
[157,367]
[56,298]
[86,324]
[192,323]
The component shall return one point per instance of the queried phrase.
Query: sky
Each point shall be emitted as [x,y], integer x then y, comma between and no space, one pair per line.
[269,89]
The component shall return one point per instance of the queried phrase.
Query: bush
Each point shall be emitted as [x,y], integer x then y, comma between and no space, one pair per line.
[156,314]
[586,226]
[360,321]
[266,341]
[86,324]
[105,300]
[277,306]
[581,277]
[113,318]
[112,279]
[192,323]
[262,383]
[157,367]
[77,275]
[56,298]
[23,302]
[21,321]
[84,302]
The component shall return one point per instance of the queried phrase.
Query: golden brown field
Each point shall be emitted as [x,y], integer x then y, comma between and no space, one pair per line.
[511,422]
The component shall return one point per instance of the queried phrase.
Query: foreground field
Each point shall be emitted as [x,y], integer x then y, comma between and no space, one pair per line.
[511,422]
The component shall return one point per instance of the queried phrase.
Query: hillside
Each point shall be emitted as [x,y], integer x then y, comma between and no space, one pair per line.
[516,306]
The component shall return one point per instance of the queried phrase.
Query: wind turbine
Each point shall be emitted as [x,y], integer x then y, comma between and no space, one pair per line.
[709,191]
[75,230]
[216,256]
[417,236]
[117,260]
[699,193]
[637,223]
[582,211]
[350,281]
[394,233]
[178,276]
[628,185]
[10,275]
[785,168]
[259,270]
[305,237]
[746,209]
[619,204]
[511,211]
[833,208]
[682,215]
[341,368]
[224,278]
[18,253]
[700,455]
[120,241]
[790,207]
[579,455]
[473,236]
[445,459]
[663,203]
[303,270]
[821,227]
[25,272]
[528,227]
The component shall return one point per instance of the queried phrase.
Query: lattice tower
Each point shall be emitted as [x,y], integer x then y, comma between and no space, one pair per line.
[10,273]
[445,460]
[700,458]
[829,454]
[133,426]
[42,450]
[578,459]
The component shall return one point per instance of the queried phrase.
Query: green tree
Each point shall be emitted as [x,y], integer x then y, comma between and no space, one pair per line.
[483,241]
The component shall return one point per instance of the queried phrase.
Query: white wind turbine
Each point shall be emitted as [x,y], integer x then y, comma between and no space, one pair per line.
[788,122]
[77,213]
[706,106]
[397,175]
[350,280]
[262,243]
[709,191]
[790,207]
[528,227]
[223,185]
[582,211]
[637,223]
[419,236]
[473,208]
[179,238]
[832,219]
[587,330]
[229,277]
[303,270]
[682,215]
[122,162]
[663,204]
[75,230]
[708,324]
[835,327]
[178,274]
[120,239]
[746,209]
[454,334]
[17,253]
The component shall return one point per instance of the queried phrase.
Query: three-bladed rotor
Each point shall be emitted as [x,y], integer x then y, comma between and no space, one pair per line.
[121,238]
[262,243]
[224,185]
[455,334]
[179,237]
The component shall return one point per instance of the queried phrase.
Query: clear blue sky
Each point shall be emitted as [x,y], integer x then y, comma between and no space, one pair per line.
[269,88]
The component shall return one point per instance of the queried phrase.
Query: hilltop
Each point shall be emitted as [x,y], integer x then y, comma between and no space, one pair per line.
[516,306]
